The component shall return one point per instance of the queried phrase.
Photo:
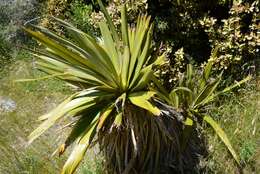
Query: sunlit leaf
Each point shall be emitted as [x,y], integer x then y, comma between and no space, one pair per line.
[140,99]
[222,135]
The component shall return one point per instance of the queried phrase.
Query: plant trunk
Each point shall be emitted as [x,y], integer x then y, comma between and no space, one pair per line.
[147,144]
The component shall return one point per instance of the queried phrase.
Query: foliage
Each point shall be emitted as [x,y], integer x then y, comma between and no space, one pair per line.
[114,103]
[170,72]
[80,15]
[134,8]
[192,95]
[56,8]
[78,12]
[194,26]
[236,36]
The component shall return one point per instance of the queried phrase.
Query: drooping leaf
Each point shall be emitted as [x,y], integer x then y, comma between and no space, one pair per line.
[80,148]
[79,128]
[48,123]
[104,115]
[222,135]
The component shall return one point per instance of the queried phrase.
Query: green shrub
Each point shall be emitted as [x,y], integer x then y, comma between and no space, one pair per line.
[134,8]
[236,37]
[80,15]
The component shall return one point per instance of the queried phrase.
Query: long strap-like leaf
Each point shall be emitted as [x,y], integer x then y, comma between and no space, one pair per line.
[80,148]
[109,21]
[222,135]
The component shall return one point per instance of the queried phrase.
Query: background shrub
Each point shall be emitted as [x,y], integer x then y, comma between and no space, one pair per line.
[236,37]
[80,15]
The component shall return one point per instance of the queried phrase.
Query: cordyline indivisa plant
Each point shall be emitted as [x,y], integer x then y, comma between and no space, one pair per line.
[119,104]
[115,105]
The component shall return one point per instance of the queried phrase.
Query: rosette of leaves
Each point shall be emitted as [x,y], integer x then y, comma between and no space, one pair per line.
[193,94]
[115,105]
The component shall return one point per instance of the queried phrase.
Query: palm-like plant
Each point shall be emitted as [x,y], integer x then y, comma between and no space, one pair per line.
[195,91]
[115,105]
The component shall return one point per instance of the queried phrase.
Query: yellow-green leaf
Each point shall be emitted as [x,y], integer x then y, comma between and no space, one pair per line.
[140,99]
[80,148]
[222,135]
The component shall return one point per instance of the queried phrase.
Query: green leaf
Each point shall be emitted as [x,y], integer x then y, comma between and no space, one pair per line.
[174,99]
[140,31]
[222,135]
[160,88]
[59,49]
[80,148]
[124,26]
[51,119]
[227,89]
[109,44]
[189,75]
[109,21]
[208,68]
[66,107]
[103,116]
[80,127]
[144,78]
[206,74]
[181,89]
[90,55]
[142,58]
[95,52]
[125,68]
[72,70]
[140,99]
[206,93]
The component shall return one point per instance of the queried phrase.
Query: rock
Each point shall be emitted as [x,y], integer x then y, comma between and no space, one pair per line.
[7,104]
